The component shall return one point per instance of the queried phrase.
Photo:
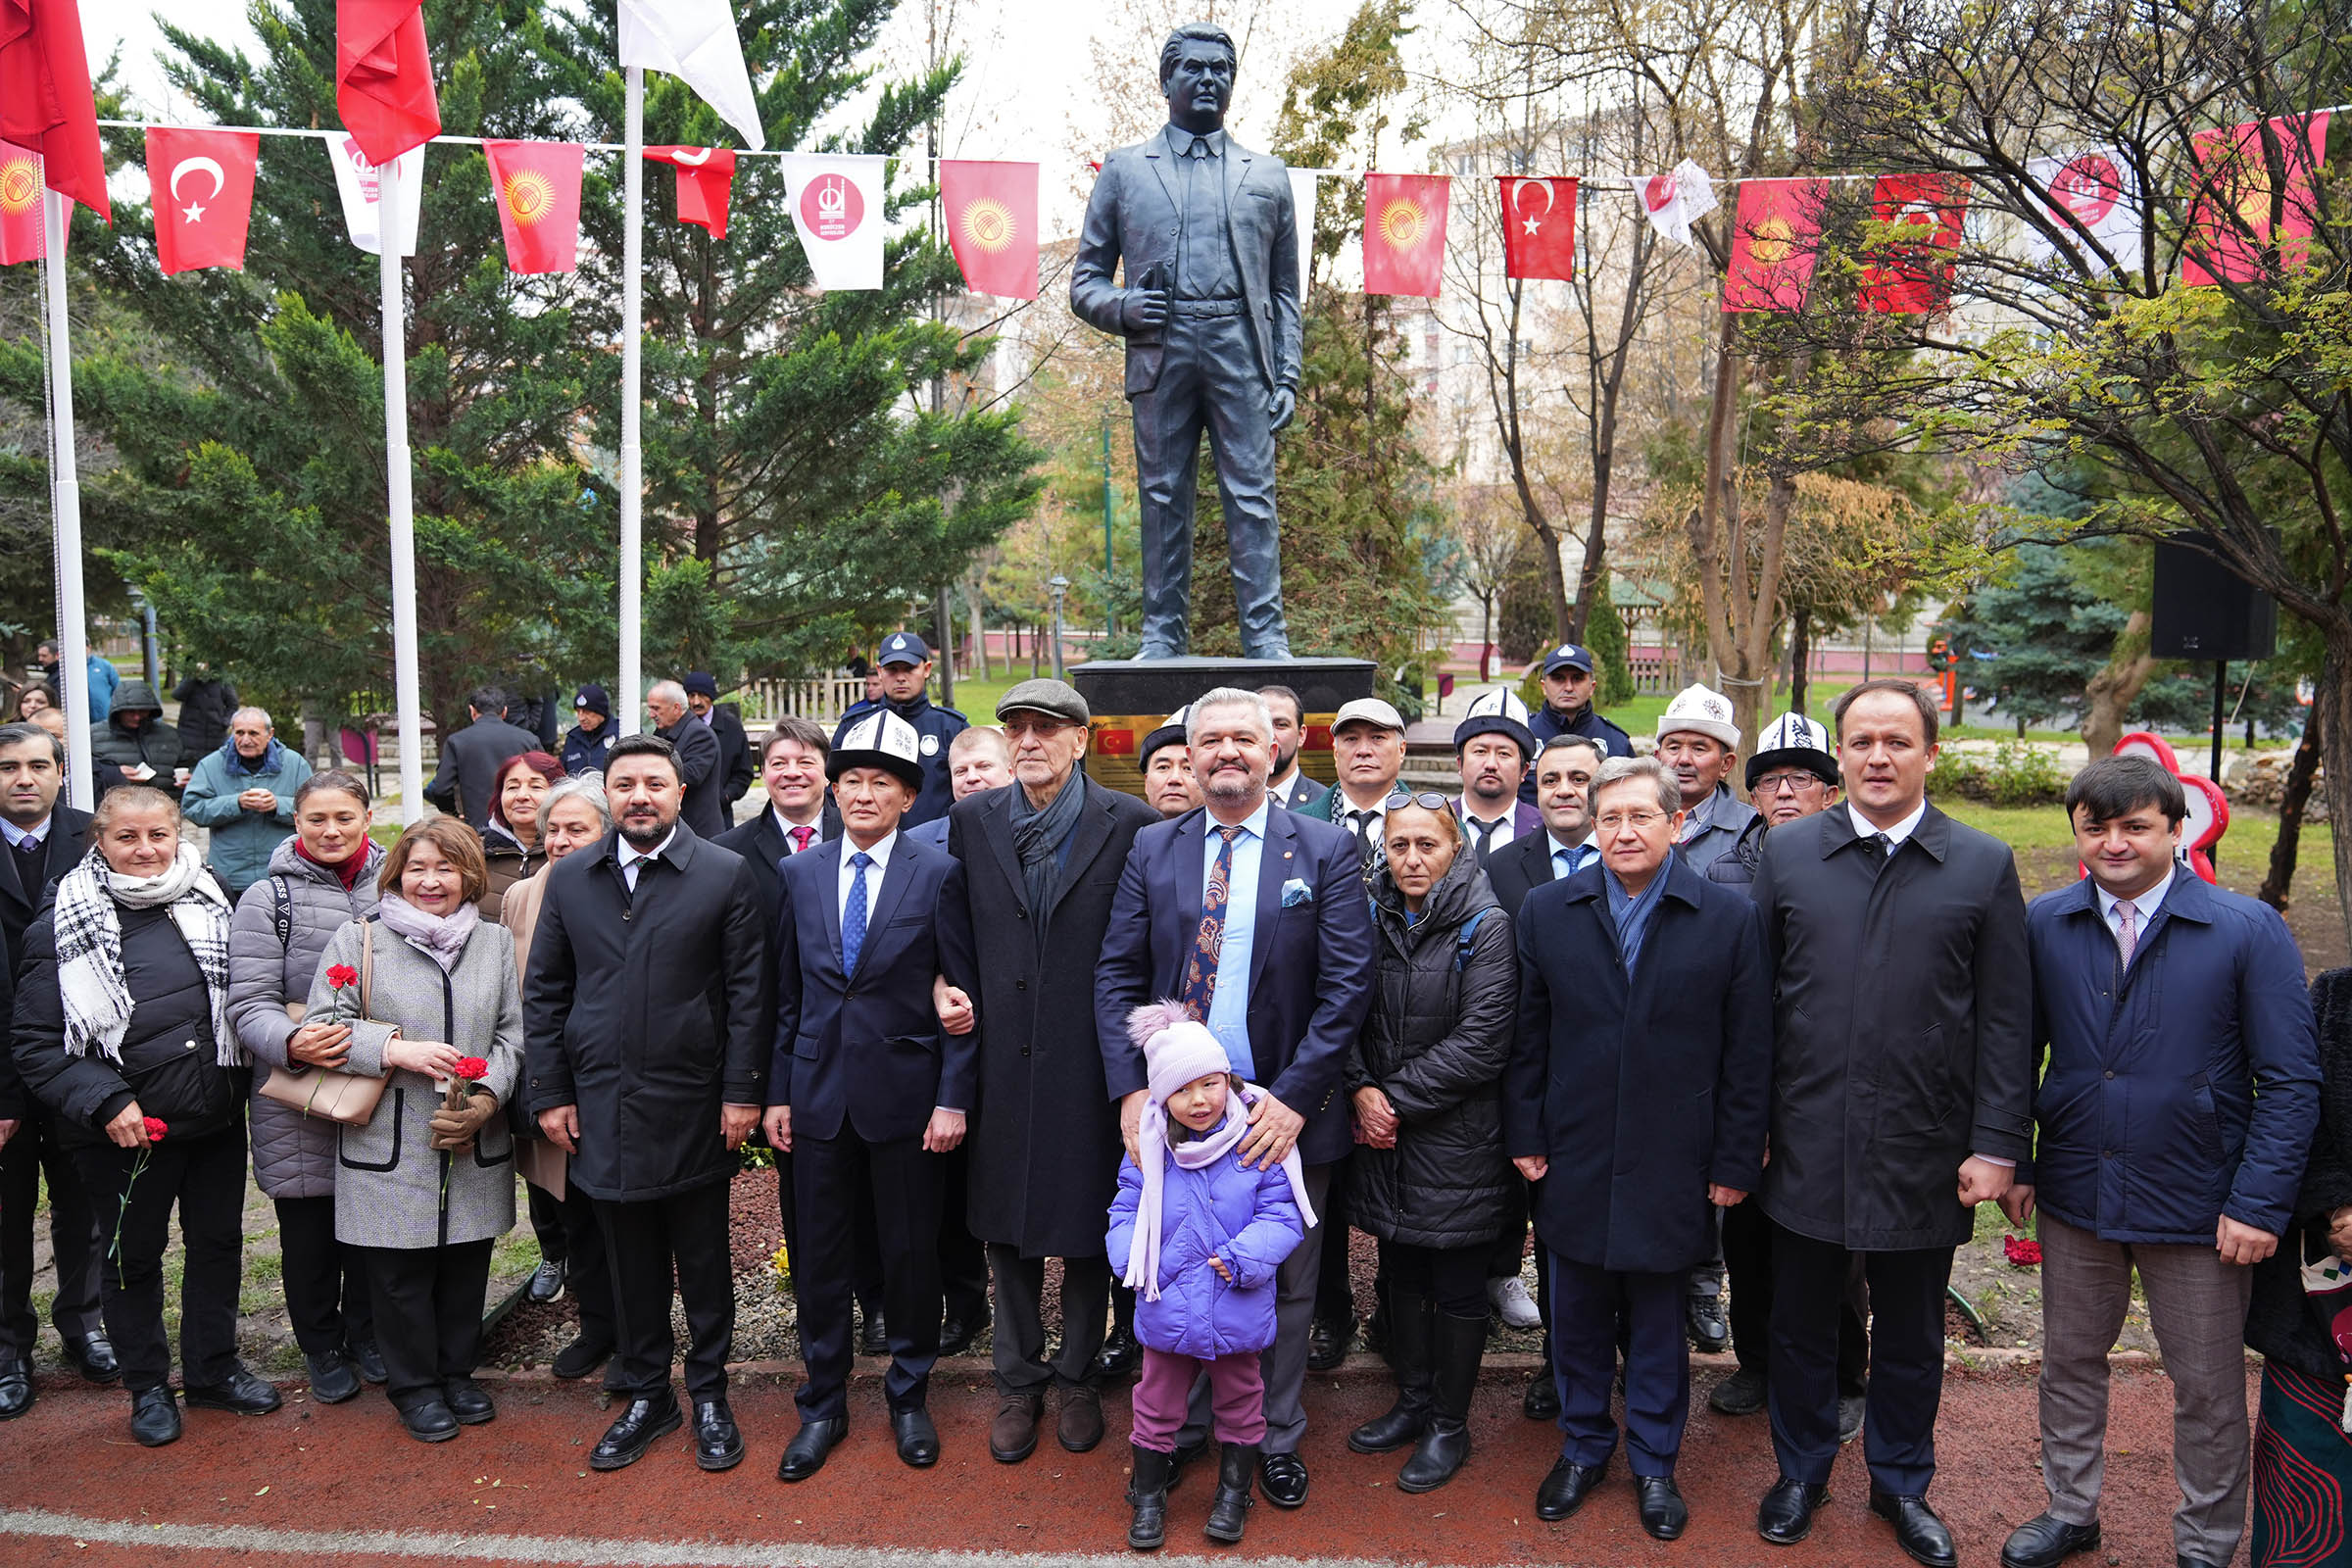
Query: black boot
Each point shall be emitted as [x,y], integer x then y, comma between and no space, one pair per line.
[1148,1494]
[1412,1321]
[1229,1510]
[1453,1376]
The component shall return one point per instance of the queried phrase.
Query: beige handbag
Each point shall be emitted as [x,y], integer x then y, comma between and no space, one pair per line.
[336,1097]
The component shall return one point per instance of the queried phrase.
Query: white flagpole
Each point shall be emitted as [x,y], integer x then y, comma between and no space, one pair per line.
[65,497]
[632,326]
[394,241]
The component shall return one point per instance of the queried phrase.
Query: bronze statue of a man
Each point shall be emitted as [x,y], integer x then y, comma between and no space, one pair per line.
[1210,313]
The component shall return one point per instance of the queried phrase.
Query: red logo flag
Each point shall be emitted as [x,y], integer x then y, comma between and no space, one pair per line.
[45,102]
[1539,227]
[992,224]
[1404,233]
[1907,266]
[383,77]
[706,181]
[537,184]
[1774,237]
[202,183]
[20,234]
[2230,226]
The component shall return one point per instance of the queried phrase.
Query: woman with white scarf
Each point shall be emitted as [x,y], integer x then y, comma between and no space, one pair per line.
[121,1029]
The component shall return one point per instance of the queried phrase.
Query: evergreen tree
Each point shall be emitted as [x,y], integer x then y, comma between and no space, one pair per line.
[2031,639]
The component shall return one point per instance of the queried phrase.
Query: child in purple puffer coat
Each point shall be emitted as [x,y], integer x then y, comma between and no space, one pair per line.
[1200,1235]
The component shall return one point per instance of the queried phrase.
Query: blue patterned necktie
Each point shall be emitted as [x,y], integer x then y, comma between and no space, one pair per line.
[1201,968]
[852,918]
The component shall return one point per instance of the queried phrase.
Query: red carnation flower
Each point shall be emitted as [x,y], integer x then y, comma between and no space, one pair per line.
[155,1129]
[2022,1252]
[471,1069]
[339,975]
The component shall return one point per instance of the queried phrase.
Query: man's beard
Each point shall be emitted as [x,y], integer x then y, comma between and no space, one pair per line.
[649,839]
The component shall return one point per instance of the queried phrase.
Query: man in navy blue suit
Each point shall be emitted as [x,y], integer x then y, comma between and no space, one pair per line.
[864,1087]
[1257,919]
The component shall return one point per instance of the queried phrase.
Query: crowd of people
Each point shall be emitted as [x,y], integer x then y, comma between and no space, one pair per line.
[1744,1067]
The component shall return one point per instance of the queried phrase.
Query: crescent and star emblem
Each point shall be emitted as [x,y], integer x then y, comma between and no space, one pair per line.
[1533,222]
[193,212]
[694,159]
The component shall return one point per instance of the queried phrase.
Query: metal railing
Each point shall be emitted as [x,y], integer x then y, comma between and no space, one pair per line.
[822,697]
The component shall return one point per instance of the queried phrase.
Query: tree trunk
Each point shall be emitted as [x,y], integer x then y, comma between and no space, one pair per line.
[2113,690]
[1486,631]
[1800,654]
[2294,797]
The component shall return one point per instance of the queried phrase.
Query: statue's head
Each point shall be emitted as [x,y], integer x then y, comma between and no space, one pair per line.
[1197,68]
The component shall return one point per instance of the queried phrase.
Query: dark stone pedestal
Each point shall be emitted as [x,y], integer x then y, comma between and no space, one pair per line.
[1130,698]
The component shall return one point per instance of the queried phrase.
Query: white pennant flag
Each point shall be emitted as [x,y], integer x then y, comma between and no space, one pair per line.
[836,204]
[1678,200]
[1302,199]
[2093,188]
[361,186]
[694,41]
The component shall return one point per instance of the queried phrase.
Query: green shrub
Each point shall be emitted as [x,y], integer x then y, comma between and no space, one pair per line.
[1955,777]
[2025,775]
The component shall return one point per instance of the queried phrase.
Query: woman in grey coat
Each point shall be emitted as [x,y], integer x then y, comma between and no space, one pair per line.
[427,1185]
[317,880]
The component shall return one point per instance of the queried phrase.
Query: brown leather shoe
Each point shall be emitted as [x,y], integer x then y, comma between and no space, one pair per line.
[1081,1425]
[1013,1434]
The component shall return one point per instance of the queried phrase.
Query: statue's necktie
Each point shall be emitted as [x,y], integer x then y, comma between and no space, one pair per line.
[1200,968]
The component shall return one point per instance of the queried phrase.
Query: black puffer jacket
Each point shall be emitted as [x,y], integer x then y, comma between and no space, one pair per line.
[1435,1042]
[154,743]
[1736,867]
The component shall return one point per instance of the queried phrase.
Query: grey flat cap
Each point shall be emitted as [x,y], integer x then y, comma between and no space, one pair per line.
[1046,696]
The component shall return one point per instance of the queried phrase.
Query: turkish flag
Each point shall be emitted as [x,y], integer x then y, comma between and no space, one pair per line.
[1776,235]
[992,224]
[1404,233]
[1907,265]
[2230,225]
[706,181]
[383,77]
[1539,227]
[45,102]
[537,184]
[22,238]
[202,184]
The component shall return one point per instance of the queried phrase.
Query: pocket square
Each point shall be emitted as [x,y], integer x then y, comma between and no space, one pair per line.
[1296,891]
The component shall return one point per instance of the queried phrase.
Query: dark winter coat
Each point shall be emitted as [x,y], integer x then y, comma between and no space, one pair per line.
[762,842]
[699,771]
[735,772]
[1436,1044]
[1736,867]
[584,752]
[1044,1135]
[463,785]
[507,863]
[1903,1015]
[205,707]
[19,903]
[154,743]
[2279,1324]
[1641,1091]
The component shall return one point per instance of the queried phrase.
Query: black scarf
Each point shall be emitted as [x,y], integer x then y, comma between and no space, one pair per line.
[1038,838]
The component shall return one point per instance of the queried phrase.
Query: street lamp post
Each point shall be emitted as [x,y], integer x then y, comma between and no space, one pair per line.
[1058,585]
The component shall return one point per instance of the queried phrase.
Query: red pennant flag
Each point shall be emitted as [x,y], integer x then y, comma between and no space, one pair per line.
[45,102]
[1539,227]
[1404,233]
[22,238]
[1775,236]
[383,77]
[1907,268]
[992,224]
[706,182]
[202,184]
[2229,227]
[537,184]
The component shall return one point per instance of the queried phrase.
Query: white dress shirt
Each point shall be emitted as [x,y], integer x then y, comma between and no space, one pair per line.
[1376,815]
[787,826]
[1864,828]
[630,858]
[2144,907]
[880,854]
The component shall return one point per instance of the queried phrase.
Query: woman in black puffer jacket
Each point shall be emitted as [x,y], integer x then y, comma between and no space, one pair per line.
[1425,1076]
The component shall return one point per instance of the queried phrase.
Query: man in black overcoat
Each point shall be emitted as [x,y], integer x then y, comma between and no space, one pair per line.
[462,784]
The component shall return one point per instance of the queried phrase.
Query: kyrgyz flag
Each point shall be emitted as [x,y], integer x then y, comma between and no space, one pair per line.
[538,188]
[1907,260]
[202,184]
[1404,233]
[1775,235]
[2235,216]
[706,182]
[21,233]
[384,78]
[992,224]
[45,103]
[1539,227]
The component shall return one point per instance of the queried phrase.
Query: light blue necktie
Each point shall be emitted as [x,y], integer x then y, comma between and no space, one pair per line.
[1565,861]
[852,919]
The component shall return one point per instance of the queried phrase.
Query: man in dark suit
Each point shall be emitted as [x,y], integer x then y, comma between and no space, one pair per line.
[44,841]
[800,814]
[1256,918]
[646,1035]
[697,748]
[1903,1096]
[864,1086]
[1290,786]
[1209,234]
[735,774]
[470,760]
[1636,1096]
[1492,751]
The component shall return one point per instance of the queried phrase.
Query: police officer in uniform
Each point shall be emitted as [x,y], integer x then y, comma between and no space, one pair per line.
[592,733]
[905,663]
[1568,687]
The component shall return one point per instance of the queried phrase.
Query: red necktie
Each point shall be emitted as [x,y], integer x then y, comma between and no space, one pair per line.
[800,837]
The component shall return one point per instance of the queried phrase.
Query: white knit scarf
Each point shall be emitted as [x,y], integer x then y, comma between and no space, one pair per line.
[88,925]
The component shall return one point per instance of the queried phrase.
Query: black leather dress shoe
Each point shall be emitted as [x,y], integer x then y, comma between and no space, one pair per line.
[2043,1541]
[1917,1530]
[1541,1401]
[16,1390]
[955,1335]
[805,1454]
[1785,1515]
[429,1420]
[468,1402]
[874,1338]
[333,1380]
[93,1357]
[916,1437]
[1283,1475]
[546,1282]
[240,1393]
[625,1440]
[718,1443]
[1710,1330]
[1663,1511]
[580,1357]
[154,1417]
[1327,1343]
[1564,1490]
[370,1361]
[1121,1354]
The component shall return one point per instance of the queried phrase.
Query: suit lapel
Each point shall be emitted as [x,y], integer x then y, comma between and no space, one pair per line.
[883,902]
[1277,863]
[1086,842]
[828,892]
[996,826]
[1192,871]
[1154,153]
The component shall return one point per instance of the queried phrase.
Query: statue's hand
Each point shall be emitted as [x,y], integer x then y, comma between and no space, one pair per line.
[1281,406]
[1144,310]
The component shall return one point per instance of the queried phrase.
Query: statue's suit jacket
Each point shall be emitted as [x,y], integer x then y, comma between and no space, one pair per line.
[1133,216]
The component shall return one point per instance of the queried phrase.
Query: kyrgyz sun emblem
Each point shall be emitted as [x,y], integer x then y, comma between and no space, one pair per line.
[20,184]
[529,195]
[1773,241]
[989,224]
[1404,224]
